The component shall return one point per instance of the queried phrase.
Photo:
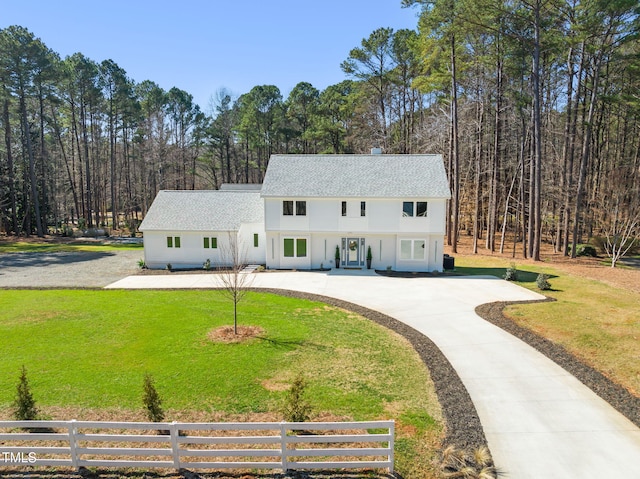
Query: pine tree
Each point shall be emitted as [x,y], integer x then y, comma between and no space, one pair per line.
[24,404]
[152,401]
[296,407]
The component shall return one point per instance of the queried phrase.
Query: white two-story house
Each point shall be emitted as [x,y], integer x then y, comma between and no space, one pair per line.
[317,207]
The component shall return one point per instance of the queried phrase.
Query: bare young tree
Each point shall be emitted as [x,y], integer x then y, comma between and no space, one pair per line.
[622,233]
[234,282]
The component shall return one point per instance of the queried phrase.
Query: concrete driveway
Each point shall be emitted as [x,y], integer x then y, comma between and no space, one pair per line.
[540,422]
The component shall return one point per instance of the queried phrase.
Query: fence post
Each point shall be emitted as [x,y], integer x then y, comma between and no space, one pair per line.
[175,448]
[392,433]
[73,444]
[283,447]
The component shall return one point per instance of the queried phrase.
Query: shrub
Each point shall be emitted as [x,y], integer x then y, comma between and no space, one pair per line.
[24,405]
[151,400]
[207,265]
[169,267]
[142,264]
[296,407]
[542,281]
[460,463]
[586,250]
[511,274]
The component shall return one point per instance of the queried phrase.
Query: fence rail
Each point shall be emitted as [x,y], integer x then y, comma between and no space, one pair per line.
[267,445]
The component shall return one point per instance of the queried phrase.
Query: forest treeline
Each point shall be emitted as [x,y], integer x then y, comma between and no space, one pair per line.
[534,105]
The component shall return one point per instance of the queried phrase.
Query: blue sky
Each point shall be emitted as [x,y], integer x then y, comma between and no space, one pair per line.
[202,46]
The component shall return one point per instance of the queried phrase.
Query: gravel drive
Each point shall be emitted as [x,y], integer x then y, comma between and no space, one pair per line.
[67,270]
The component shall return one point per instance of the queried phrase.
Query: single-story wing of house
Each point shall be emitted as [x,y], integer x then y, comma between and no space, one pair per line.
[312,211]
[186,228]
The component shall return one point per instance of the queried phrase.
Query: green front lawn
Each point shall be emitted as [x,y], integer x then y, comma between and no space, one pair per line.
[91,349]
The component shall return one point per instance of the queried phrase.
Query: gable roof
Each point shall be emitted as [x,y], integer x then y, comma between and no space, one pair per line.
[207,210]
[361,176]
[240,186]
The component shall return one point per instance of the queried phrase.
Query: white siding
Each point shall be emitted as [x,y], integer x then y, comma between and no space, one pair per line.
[193,254]
[251,253]
[382,227]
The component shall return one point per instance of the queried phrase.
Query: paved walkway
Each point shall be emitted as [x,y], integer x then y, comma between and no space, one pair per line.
[539,420]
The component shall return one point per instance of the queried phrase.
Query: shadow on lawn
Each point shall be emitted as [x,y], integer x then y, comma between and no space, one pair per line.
[291,345]
[523,276]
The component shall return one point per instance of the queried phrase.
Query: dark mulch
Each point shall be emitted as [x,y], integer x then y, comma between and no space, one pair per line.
[463,427]
[619,397]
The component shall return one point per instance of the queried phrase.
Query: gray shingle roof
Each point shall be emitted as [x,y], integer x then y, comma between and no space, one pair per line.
[203,211]
[361,176]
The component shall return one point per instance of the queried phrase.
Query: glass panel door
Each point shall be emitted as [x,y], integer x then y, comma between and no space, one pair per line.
[353,251]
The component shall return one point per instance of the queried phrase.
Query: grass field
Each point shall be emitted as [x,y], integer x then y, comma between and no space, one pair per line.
[57,247]
[90,349]
[597,322]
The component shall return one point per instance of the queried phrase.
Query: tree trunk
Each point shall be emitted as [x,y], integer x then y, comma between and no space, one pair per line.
[32,167]
[537,139]
[584,156]
[454,148]
[10,167]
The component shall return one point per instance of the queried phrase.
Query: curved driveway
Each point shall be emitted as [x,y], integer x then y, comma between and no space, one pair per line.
[540,422]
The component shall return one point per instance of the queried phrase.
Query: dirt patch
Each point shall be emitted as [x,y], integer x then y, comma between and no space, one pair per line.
[275,385]
[227,334]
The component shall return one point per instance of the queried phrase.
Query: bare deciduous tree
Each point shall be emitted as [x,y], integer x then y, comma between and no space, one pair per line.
[622,233]
[234,282]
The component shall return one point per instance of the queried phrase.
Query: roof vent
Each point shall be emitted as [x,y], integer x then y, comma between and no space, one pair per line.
[376,151]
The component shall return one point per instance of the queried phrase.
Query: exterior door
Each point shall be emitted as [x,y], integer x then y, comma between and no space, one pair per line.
[353,251]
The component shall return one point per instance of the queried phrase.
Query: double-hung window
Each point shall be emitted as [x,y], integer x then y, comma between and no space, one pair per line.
[295,247]
[173,241]
[412,249]
[289,210]
[414,208]
[210,242]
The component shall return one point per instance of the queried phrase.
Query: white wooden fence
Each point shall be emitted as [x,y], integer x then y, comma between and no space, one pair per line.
[267,445]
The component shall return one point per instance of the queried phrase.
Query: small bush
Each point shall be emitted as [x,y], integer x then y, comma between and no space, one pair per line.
[586,250]
[296,407]
[24,405]
[207,265]
[542,281]
[152,401]
[142,264]
[169,267]
[461,463]
[511,274]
